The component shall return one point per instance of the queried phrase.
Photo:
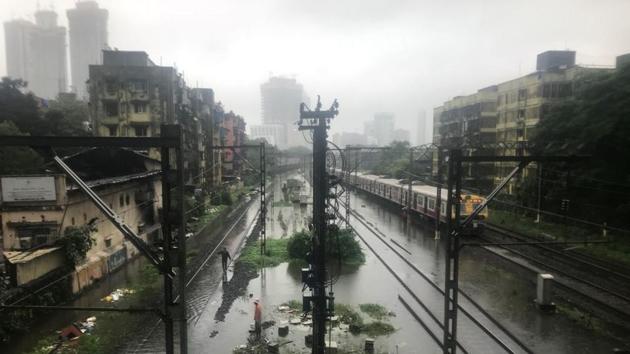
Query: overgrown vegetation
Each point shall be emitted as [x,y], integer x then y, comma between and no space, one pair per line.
[208,215]
[108,334]
[375,311]
[76,242]
[349,316]
[276,253]
[595,119]
[342,245]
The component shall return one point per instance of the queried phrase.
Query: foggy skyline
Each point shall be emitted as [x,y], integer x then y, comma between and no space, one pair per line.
[373,56]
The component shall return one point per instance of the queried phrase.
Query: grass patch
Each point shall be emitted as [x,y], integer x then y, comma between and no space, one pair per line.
[378,328]
[348,315]
[276,253]
[582,318]
[207,217]
[376,311]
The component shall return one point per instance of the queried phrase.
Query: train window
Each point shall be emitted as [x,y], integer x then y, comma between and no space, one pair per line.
[421,201]
[431,204]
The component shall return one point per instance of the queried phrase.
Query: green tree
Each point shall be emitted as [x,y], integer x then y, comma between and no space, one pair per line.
[394,160]
[17,160]
[595,120]
[19,108]
[67,116]
[77,241]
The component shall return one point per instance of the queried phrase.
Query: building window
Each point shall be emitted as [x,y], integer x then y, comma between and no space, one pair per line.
[521,114]
[121,200]
[139,107]
[138,85]
[111,108]
[140,130]
[127,199]
[110,86]
[72,221]
[108,242]
[112,130]
[522,94]
[84,217]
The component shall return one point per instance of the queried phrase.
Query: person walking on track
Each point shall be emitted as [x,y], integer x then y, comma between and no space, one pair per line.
[225,256]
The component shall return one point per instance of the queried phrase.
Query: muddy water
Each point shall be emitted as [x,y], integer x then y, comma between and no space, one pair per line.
[505,292]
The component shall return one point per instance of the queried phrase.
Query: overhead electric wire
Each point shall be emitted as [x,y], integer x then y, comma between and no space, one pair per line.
[474,320]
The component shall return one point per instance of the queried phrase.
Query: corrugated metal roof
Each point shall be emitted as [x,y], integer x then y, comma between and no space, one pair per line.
[17,257]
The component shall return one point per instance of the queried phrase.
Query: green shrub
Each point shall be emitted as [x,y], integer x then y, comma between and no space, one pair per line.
[76,242]
[343,245]
[375,311]
[299,245]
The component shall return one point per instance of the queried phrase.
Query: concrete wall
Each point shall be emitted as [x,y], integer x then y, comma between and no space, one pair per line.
[27,272]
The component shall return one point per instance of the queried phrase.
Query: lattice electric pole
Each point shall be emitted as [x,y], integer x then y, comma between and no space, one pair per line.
[263,200]
[315,277]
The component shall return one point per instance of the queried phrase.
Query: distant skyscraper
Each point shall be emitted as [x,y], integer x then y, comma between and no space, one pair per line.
[384,128]
[421,136]
[36,53]
[88,37]
[281,98]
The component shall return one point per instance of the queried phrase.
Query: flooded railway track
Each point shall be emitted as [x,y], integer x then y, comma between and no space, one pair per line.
[505,340]
[198,301]
[611,295]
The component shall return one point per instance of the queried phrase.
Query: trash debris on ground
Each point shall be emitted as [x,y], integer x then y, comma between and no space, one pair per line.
[117,294]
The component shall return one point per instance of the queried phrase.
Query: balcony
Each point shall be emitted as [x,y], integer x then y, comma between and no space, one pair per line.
[142,117]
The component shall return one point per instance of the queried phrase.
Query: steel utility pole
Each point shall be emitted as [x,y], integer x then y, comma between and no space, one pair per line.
[318,121]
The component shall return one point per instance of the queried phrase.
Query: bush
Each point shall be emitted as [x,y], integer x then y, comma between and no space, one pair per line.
[226,197]
[343,245]
[77,241]
[299,245]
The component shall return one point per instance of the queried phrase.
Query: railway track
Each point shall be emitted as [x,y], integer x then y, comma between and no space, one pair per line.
[589,279]
[602,267]
[503,338]
[195,304]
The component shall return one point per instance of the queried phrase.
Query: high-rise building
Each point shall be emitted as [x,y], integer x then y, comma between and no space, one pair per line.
[36,53]
[384,128]
[281,98]
[88,37]
[421,133]
[270,132]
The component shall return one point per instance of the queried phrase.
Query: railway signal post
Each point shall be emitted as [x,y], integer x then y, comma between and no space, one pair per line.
[315,278]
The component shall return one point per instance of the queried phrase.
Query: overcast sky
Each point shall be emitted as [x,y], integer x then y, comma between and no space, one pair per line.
[401,56]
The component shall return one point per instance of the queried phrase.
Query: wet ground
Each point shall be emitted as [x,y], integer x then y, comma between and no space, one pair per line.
[221,311]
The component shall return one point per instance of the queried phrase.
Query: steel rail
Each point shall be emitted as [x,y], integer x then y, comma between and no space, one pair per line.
[157,323]
[464,311]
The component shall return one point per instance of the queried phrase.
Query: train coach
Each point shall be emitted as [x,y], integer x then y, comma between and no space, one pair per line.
[423,198]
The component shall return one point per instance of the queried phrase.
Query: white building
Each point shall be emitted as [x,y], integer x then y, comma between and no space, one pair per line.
[273,133]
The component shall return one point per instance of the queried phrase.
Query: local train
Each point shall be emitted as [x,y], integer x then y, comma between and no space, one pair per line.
[423,198]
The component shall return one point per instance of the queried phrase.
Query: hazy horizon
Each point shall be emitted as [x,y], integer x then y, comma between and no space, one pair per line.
[373,56]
